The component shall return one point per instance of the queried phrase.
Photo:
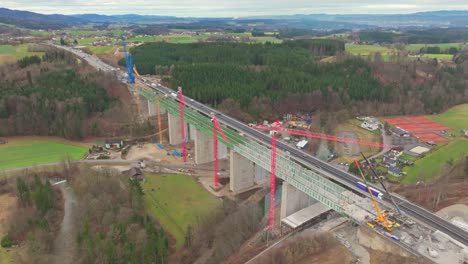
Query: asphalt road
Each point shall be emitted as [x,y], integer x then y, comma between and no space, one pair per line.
[414,211]
[327,170]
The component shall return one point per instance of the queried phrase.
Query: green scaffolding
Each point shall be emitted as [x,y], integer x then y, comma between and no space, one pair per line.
[306,180]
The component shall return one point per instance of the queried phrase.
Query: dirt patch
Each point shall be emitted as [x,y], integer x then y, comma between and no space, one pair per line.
[336,255]
[7,204]
[348,149]
[456,210]
[360,134]
[152,152]
[379,257]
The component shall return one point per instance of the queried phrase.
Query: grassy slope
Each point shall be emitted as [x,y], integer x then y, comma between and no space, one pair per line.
[26,152]
[456,117]
[366,49]
[101,49]
[176,202]
[439,56]
[432,164]
[6,256]
[443,46]
[363,134]
[195,38]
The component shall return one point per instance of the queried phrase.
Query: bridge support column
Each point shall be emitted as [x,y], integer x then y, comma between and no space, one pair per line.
[242,172]
[293,200]
[174,130]
[261,175]
[203,148]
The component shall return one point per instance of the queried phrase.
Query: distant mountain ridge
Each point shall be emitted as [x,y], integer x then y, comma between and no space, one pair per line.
[35,20]
[447,18]
[126,18]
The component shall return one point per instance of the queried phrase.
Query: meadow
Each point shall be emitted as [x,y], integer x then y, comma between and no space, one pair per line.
[177,201]
[443,46]
[10,53]
[432,164]
[22,152]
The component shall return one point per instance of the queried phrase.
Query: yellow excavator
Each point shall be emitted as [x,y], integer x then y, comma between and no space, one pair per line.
[381,218]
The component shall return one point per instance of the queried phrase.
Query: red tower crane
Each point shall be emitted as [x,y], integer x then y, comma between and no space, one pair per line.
[216,127]
[182,123]
[277,128]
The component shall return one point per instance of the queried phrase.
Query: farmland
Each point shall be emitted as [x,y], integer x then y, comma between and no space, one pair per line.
[100,49]
[21,152]
[179,38]
[443,46]
[432,164]
[365,50]
[10,53]
[176,201]
[456,117]
[439,56]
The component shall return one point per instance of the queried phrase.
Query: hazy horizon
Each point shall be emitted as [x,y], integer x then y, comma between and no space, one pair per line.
[226,8]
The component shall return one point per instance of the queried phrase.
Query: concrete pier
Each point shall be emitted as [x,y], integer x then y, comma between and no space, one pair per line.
[203,148]
[242,172]
[293,200]
[175,135]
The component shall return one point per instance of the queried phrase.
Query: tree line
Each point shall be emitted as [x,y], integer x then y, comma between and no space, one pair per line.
[51,102]
[112,222]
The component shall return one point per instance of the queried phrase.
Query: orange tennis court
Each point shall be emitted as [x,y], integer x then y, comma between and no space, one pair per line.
[420,126]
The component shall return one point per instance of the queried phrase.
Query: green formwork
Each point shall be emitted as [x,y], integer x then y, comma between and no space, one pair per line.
[308,181]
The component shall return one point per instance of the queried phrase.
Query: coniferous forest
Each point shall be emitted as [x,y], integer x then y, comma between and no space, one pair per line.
[270,79]
[43,98]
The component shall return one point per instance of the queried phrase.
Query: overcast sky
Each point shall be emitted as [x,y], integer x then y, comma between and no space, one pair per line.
[236,8]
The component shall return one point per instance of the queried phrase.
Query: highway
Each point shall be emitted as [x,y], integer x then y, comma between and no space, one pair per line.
[412,210]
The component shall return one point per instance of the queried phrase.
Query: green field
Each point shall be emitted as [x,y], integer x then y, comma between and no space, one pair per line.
[365,50]
[443,46]
[87,33]
[456,117]
[432,164]
[6,256]
[24,152]
[39,33]
[100,49]
[176,201]
[195,38]
[439,56]
[9,53]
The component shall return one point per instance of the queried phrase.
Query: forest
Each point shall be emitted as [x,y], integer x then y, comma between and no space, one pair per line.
[438,35]
[266,80]
[46,100]
[212,72]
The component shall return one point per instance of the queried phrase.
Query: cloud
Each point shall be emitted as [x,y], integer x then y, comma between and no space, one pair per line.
[216,8]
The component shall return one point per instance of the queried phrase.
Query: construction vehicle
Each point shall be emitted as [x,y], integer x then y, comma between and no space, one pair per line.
[397,216]
[380,219]
[295,124]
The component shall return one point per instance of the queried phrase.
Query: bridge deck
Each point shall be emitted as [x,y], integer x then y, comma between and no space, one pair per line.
[305,215]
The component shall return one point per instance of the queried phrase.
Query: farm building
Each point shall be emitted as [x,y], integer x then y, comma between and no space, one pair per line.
[395,171]
[464,132]
[399,132]
[135,174]
[114,143]
[369,125]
